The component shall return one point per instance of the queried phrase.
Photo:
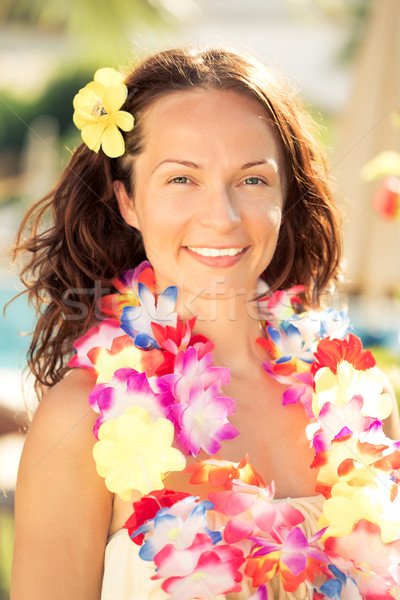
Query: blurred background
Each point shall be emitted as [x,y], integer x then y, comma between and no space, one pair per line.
[343,56]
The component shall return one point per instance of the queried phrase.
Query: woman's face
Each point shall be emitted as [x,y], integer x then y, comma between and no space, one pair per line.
[208,191]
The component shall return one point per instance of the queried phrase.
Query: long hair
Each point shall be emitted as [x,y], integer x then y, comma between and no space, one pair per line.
[75,254]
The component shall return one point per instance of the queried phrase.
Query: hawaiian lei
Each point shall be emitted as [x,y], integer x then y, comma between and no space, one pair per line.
[155,385]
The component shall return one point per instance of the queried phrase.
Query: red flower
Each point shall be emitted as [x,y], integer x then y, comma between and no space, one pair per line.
[174,339]
[147,507]
[386,200]
[330,352]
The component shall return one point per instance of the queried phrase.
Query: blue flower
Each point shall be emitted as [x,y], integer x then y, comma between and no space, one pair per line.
[136,320]
[333,588]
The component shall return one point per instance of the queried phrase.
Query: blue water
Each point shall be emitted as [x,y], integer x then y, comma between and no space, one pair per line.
[14,326]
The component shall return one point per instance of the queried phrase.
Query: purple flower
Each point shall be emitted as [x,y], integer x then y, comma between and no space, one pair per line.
[127,389]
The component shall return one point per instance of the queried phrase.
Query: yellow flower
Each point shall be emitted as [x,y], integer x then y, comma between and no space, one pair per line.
[349,460]
[106,363]
[349,504]
[123,353]
[97,113]
[133,454]
[348,382]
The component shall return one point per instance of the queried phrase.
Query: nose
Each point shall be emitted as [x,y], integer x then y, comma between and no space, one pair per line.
[220,211]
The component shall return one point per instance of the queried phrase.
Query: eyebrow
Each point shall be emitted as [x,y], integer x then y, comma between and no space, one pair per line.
[188,163]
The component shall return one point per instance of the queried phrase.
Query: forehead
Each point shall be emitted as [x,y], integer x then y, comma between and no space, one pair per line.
[224,120]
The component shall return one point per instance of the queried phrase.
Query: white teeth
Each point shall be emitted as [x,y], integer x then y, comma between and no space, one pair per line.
[215,251]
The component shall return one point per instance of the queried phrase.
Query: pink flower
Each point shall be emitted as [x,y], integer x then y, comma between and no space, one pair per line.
[101,335]
[337,421]
[279,306]
[202,572]
[371,562]
[253,511]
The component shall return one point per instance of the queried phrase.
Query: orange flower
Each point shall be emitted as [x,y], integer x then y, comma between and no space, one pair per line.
[219,473]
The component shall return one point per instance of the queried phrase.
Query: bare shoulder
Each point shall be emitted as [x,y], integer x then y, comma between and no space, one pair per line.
[391,425]
[63,509]
[68,397]
[62,423]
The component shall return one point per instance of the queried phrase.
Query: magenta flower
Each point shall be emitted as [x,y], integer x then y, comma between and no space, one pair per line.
[130,279]
[127,389]
[301,391]
[261,594]
[202,420]
[295,557]
[253,511]
[200,410]
[294,549]
[192,365]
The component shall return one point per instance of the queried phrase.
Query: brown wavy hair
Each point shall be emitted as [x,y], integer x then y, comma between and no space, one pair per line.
[77,241]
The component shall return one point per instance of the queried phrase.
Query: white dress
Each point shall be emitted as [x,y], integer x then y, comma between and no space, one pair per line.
[128,577]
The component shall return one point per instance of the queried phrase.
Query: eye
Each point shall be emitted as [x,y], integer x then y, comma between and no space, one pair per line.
[179,180]
[254,181]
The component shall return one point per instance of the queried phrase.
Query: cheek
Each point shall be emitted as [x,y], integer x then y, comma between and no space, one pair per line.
[271,218]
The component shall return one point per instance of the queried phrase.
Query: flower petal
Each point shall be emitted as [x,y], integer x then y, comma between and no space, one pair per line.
[92,135]
[112,142]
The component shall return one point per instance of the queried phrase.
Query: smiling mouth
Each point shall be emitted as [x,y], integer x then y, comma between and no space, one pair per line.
[214,252]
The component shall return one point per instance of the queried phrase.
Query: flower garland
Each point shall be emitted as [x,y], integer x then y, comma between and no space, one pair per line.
[156,385]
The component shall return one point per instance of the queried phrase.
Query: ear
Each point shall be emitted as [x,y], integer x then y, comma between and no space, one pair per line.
[126,205]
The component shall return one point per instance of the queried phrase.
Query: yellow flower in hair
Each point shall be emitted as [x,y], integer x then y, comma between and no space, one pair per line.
[132,453]
[97,113]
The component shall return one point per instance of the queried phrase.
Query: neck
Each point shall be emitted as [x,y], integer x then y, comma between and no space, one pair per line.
[231,322]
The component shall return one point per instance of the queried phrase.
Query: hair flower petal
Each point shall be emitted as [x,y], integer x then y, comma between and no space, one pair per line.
[98,115]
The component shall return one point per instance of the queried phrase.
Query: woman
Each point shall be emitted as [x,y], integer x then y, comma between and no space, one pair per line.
[217,181]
